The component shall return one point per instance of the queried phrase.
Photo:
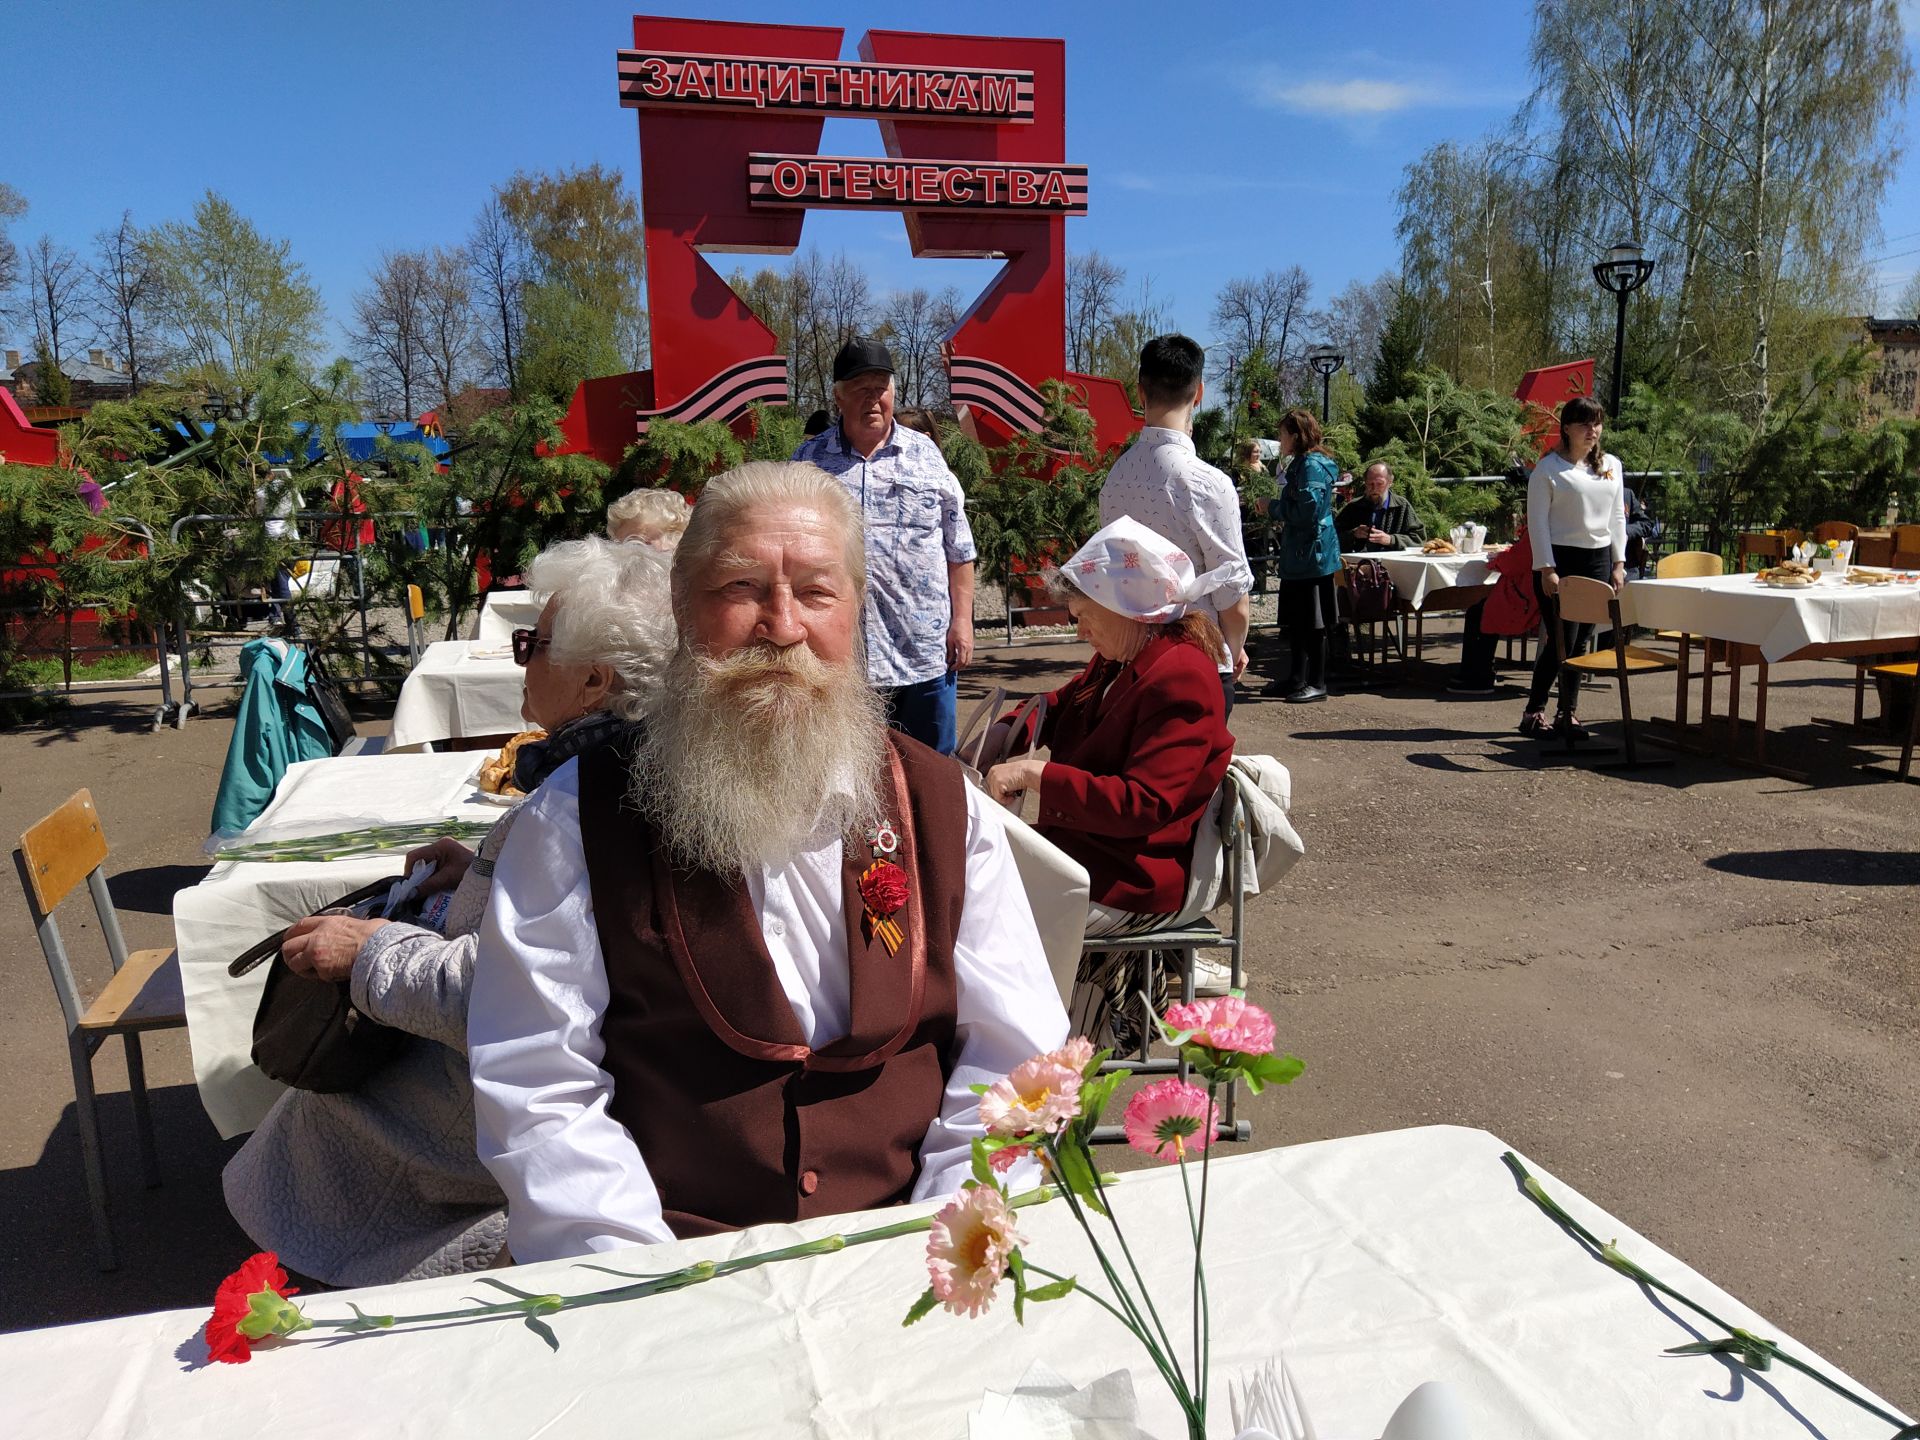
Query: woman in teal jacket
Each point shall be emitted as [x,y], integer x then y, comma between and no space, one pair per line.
[1309,557]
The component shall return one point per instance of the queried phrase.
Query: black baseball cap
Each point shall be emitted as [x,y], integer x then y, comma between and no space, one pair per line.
[861,356]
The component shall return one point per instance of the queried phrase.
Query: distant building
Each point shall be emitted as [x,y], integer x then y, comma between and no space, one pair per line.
[1893,389]
[96,378]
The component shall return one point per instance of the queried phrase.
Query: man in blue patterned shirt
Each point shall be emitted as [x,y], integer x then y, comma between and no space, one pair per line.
[919,621]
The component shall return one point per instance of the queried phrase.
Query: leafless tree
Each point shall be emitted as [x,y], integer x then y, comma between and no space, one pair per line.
[916,322]
[447,322]
[500,261]
[1267,313]
[1093,294]
[120,284]
[1356,318]
[389,333]
[12,207]
[56,297]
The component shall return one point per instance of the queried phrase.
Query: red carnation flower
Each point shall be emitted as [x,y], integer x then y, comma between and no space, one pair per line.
[884,887]
[233,1302]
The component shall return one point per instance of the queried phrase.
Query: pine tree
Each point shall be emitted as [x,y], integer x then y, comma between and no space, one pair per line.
[1392,377]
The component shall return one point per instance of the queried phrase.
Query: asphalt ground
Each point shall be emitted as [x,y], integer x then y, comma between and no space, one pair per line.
[1692,992]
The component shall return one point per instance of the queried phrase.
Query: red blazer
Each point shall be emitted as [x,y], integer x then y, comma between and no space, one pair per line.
[1138,751]
[1512,608]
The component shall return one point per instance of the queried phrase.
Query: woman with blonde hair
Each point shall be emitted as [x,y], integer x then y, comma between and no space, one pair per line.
[648,517]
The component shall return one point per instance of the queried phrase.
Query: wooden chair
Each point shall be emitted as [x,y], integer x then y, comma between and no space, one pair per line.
[1873,550]
[1909,671]
[1836,530]
[1690,565]
[1768,546]
[144,994]
[1907,537]
[1593,602]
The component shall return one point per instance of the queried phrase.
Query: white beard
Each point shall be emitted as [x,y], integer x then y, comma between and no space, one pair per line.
[750,757]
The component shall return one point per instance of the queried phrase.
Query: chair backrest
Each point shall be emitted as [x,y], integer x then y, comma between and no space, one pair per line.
[53,857]
[416,603]
[1835,530]
[1906,537]
[1761,546]
[1905,560]
[1873,550]
[61,850]
[973,734]
[1689,565]
[1584,601]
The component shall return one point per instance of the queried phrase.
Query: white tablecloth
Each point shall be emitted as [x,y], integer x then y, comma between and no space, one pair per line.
[460,689]
[1739,608]
[240,903]
[1371,1264]
[504,612]
[1415,576]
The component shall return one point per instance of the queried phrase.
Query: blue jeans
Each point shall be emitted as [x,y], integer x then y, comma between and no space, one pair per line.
[926,711]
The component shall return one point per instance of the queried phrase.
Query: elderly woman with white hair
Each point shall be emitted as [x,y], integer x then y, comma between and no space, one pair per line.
[648,517]
[1139,740]
[382,1183]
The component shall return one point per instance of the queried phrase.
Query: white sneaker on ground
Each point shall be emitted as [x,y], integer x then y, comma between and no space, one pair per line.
[1211,977]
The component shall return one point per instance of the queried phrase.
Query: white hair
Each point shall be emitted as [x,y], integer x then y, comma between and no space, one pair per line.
[662,510]
[729,497]
[614,609]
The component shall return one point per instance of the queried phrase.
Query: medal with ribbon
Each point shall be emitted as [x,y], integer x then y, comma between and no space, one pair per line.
[883,887]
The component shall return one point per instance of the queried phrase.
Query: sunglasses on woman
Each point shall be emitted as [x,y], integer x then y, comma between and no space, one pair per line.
[525,642]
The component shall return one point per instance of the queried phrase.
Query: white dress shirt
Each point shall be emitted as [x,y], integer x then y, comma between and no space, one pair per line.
[1168,488]
[574,1178]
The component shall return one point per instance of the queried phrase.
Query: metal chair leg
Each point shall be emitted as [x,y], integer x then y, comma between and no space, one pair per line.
[142,1111]
[86,1114]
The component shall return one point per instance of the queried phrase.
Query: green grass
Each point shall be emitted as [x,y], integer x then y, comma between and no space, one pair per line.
[45,671]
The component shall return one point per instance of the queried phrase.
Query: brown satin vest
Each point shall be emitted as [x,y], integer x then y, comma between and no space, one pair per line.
[739,1121]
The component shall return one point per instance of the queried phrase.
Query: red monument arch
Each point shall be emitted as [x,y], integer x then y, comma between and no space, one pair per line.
[730,117]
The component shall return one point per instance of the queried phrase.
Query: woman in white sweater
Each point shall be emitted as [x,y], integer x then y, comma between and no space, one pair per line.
[1577,519]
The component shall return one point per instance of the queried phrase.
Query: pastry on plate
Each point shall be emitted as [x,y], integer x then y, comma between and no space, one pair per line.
[496,776]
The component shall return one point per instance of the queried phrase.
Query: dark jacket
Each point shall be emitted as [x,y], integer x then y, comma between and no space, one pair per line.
[1399,521]
[1309,548]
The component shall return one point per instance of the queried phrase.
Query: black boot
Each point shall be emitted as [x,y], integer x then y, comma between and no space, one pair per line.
[1315,687]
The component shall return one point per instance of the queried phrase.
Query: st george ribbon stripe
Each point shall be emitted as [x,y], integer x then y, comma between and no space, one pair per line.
[762,380]
[996,389]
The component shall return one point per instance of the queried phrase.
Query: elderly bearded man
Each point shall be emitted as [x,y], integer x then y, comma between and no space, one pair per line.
[919,620]
[693,1011]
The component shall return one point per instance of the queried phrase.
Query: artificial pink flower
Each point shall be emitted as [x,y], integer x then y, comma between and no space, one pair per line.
[1227,1023]
[967,1249]
[1040,1095]
[1076,1054]
[1169,1118]
[1006,1158]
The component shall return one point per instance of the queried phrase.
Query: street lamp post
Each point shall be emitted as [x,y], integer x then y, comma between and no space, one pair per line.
[1324,363]
[1622,272]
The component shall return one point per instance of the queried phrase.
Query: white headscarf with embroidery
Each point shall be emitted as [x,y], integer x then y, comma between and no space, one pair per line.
[1138,573]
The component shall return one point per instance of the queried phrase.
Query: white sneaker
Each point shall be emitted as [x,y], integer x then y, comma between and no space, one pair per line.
[1211,977]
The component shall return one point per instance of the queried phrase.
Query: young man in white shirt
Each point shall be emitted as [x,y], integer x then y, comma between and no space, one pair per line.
[1167,487]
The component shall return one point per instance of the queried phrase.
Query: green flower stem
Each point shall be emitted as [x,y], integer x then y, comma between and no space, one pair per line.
[1164,1359]
[1127,1251]
[1202,1306]
[1741,1344]
[1187,1407]
[526,1305]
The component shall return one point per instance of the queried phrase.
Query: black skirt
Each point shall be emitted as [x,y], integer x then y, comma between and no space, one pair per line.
[1309,604]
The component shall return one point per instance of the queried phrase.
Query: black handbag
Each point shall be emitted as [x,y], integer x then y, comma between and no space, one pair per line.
[308,1033]
[329,701]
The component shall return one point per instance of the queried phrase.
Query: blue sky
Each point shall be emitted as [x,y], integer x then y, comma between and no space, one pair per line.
[1258,136]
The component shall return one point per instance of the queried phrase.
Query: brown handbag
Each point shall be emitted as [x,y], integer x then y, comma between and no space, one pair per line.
[308,1033]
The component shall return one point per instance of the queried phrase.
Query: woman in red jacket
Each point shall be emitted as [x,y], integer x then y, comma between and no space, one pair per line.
[1139,740]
